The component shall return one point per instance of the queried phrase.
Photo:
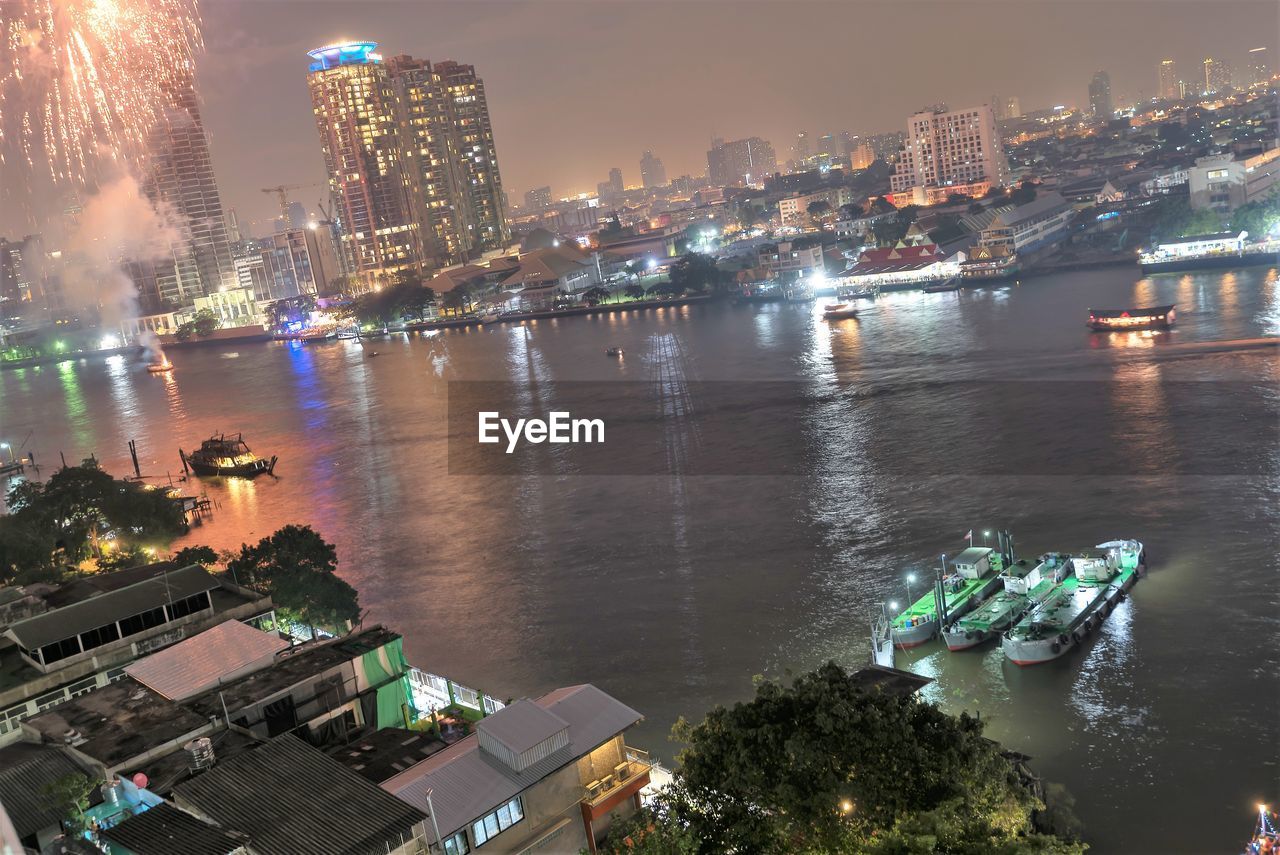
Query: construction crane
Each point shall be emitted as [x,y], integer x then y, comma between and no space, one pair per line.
[282,193]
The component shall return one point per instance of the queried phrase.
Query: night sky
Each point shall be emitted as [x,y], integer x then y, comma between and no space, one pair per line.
[578,87]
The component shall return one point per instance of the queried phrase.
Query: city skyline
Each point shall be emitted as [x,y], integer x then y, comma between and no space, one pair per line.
[252,80]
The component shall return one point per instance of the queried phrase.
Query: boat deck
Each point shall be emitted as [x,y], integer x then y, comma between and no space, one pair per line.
[1067,607]
[926,609]
[1001,610]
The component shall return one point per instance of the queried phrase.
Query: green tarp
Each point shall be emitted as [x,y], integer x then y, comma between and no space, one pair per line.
[388,670]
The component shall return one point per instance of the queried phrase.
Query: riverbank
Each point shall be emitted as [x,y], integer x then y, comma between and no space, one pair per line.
[599,309]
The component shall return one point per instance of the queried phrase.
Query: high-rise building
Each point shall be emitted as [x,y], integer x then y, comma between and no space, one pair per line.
[1006,107]
[951,148]
[1259,67]
[861,156]
[179,180]
[538,199]
[615,180]
[1217,75]
[355,106]
[1169,89]
[1100,96]
[300,261]
[652,172]
[747,161]
[800,149]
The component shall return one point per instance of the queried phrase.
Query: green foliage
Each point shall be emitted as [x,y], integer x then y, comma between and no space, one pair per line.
[60,521]
[1175,218]
[1024,193]
[1258,217]
[201,325]
[296,566]
[821,766]
[407,300]
[595,295]
[69,796]
[205,556]
[648,832]
[818,209]
[635,292]
[695,272]
[122,558]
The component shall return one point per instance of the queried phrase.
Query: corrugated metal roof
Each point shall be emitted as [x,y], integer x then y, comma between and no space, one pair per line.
[292,799]
[522,725]
[25,770]
[201,662]
[1046,203]
[165,829]
[107,608]
[466,783]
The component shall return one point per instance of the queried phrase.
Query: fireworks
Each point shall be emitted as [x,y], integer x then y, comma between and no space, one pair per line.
[85,81]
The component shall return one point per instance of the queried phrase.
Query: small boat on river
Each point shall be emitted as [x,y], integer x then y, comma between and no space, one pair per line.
[839,311]
[1153,318]
[227,454]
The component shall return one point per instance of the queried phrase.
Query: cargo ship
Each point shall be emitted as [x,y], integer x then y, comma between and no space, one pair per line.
[1024,587]
[975,576]
[1078,605]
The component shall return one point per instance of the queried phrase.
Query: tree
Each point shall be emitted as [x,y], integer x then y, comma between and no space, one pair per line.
[695,272]
[1025,192]
[595,295]
[296,566]
[1259,218]
[69,796]
[1174,218]
[825,766]
[205,556]
[635,292]
[818,209]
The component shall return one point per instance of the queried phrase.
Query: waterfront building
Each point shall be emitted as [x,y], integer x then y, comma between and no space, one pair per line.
[548,774]
[1197,246]
[354,103]
[538,199]
[1100,96]
[80,636]
[912,262]
[1217,76]
[299,261]
[652,172]
[1224,182]
[740,162]
[1169,86]
[958,147]
[1035,225]
[1259,67]
[545,274]
[179,179]
[789,260]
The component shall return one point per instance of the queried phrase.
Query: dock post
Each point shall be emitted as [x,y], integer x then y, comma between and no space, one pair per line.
[133,452]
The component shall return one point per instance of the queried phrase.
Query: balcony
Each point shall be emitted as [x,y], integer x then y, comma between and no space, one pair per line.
[628,778]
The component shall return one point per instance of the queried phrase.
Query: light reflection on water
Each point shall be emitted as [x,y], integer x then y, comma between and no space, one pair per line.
[671,592]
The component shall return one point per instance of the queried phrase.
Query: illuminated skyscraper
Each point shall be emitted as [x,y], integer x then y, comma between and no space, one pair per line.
[355,106]
[1217,75]
[1169,89]
[652,172]
[953,147]
[1259,67]
[1100,96]
[180,182]
[477,158]
[748,161]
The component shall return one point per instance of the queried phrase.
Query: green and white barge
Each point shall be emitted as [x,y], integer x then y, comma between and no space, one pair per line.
[975,576]
[1024,587]
[1078,605]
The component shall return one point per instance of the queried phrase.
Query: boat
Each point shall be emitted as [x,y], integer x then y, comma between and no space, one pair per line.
[976,577]
[227,454]
[614,351]
[162,367]
[1076,606]
[1024,587]
[868,292]
[839,311]
[1154,317]
[952,284]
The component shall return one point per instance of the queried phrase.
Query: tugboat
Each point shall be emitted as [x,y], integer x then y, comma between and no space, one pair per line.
[224,454]
[976,577]
[839,311]
[1024,587]
[1078,605]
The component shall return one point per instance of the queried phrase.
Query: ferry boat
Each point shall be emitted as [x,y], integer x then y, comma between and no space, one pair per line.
[224,454]
[1076,607]
[1024,586]
[839,311]
[952,284]
[976,576]
[1155,317]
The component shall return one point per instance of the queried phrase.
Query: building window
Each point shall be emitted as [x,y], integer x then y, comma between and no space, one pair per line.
[494,823]
[457,844]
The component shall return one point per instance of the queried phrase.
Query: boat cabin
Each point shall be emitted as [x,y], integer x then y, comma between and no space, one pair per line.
[1020,580]
[973,563]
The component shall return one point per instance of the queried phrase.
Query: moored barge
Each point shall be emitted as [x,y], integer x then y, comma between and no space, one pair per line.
[1024,586]
[976,576]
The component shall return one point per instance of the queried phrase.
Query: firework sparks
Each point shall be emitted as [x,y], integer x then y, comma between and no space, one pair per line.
[85,81]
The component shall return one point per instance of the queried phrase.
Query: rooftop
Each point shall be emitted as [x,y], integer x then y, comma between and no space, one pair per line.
[201,662]
[1043,205]
[25,770]
[165,829]
[147,593]
[382,754]
[522,725]
[889,680]
[289,669]
[169,770]
[270,794]
[466,782]
[118,722]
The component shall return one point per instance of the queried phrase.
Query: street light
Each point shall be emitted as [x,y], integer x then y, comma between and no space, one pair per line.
[911,577]
[986,538]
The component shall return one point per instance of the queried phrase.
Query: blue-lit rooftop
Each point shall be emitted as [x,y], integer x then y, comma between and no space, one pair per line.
[347,53]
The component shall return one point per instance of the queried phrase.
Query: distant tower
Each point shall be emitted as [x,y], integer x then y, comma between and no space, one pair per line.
[615,180]
[1259,67]
[1100,96]
[1217,76]
[1169,89]
[652,172]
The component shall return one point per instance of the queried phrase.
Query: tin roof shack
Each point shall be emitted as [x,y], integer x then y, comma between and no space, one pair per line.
[165,829]
[228,651]
[548,773]
[26,769]
[973,563]
[333,687]
[91,628]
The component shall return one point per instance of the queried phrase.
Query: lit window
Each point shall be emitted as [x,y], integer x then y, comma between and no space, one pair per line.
[492,824]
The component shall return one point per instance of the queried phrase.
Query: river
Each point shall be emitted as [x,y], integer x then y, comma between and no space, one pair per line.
[871,446]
